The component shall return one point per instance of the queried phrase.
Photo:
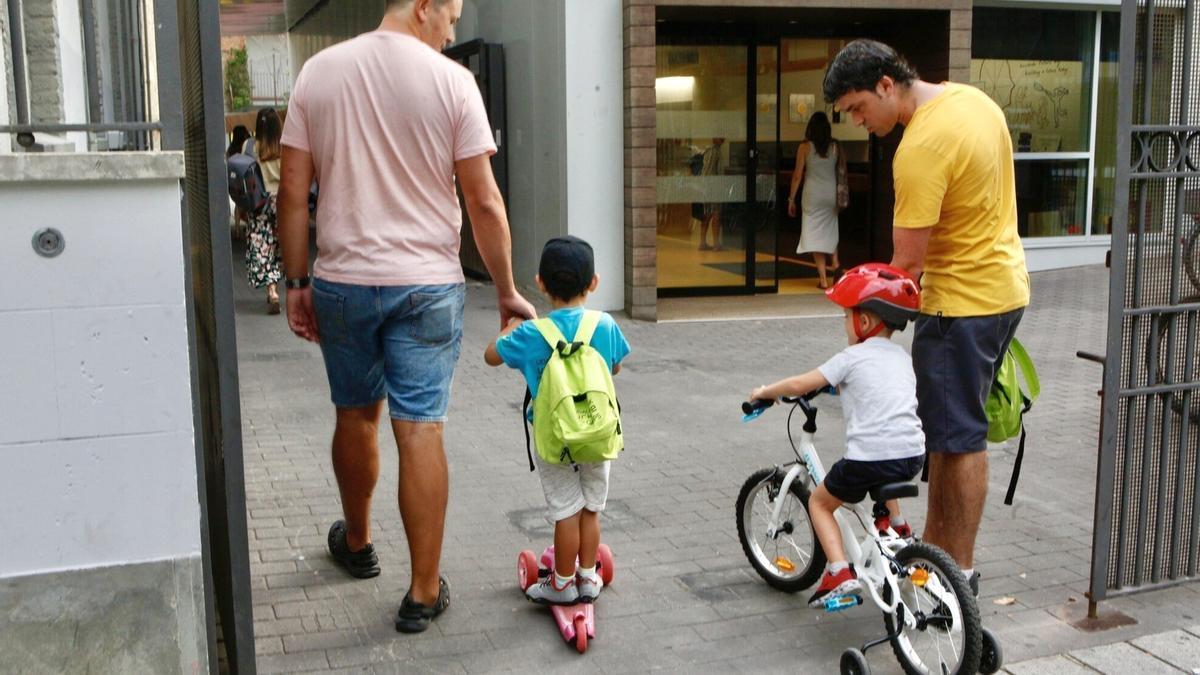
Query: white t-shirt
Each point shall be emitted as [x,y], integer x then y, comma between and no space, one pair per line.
[878,389]
[385,118]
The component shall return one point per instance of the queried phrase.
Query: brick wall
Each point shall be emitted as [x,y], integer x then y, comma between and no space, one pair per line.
[42,57]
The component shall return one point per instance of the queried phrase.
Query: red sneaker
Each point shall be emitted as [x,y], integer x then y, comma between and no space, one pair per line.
[844,582]
[903,531]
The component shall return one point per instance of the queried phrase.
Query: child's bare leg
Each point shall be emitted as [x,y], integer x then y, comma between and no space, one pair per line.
[589,538]
[821,506]
[893,507]
[566,545]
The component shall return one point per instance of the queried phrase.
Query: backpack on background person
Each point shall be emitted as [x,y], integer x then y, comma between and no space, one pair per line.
[247,188]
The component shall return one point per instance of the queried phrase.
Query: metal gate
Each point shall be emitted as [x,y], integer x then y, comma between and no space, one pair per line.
[206,217]
[1147,520]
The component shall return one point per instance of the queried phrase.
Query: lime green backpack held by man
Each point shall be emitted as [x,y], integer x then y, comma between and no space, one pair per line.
[1007,404]
[576,417]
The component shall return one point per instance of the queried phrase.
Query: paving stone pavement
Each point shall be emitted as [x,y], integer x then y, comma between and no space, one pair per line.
[1169,653]
[684,597]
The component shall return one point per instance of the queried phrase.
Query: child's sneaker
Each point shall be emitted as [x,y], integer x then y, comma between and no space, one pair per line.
[903,531]
[545,592]
[845,582]
[589,586]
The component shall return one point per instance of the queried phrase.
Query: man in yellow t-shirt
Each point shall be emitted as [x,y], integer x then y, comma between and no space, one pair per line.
[955,227]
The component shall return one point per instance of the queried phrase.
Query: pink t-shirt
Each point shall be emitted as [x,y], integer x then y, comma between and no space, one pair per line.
[385,118]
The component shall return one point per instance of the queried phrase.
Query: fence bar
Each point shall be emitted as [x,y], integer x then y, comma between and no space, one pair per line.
[16,30]
[170,77]
[61,127]
[88,15]
[1176,561]
[1102,529]
[1163,309]
[1185,418]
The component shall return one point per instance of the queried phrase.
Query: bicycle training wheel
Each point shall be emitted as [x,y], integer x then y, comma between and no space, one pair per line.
[792,560]
[947,638]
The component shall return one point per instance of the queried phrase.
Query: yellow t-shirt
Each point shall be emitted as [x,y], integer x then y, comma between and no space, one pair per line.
[953,172]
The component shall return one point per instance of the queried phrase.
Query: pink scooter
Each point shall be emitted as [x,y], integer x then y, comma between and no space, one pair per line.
[577,622]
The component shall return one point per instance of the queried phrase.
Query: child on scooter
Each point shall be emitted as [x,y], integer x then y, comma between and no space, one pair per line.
[874,377]
[575,493]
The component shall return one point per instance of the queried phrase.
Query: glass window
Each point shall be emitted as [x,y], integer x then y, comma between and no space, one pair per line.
[1037,66]
[1051,197]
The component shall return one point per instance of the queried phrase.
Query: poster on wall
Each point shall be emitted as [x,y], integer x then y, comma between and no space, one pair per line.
[1042,101]
[800,107]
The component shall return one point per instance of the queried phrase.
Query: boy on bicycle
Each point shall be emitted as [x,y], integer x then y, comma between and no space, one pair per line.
[575,492]
[878,389]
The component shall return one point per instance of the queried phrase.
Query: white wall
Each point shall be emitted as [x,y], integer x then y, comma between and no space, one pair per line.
[532,34]
[97,458]
[596,139]
[270,66]
[1041,255]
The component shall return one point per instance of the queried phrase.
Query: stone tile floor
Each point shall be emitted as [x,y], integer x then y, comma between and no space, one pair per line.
[684,597]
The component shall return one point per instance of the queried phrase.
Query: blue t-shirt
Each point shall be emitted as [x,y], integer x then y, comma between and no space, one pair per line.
[526,350]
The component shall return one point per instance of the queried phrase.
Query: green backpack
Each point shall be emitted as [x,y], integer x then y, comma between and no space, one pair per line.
[576,417]
[1007,404]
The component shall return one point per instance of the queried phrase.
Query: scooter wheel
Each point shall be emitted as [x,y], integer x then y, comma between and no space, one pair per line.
[854,662]
[607,569]
[527,569]
[992,657]
[580,634]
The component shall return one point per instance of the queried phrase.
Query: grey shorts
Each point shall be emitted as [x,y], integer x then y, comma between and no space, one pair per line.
[955,360]
[569,491]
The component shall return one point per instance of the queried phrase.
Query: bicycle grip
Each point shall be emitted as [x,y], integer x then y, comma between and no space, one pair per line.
[749,407]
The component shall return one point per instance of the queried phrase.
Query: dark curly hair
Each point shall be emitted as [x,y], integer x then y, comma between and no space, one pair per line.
[859,67]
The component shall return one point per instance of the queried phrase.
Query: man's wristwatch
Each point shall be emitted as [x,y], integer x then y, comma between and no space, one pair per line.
[296,284]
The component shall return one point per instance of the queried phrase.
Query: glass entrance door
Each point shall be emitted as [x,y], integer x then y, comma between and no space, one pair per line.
[702,158]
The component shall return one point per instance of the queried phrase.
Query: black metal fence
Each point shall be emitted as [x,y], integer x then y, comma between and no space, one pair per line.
[124,57]
[1147,521]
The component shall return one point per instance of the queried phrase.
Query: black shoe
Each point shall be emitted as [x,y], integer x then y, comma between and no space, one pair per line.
[413,617]
[362,564]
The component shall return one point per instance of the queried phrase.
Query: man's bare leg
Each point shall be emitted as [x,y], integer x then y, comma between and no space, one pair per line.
[356,467]
[957,492]
[424,490]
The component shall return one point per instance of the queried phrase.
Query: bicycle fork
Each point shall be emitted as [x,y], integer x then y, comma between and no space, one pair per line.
[788,478]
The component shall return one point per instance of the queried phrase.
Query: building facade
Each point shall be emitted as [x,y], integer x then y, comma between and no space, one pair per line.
[741,78]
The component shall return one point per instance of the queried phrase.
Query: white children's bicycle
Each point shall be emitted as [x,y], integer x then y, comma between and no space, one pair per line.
[930,614]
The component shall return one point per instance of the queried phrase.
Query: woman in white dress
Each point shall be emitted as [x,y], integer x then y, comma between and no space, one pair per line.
[819,161]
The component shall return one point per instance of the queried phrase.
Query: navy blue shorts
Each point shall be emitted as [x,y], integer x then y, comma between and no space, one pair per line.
[956,360]
[850,479]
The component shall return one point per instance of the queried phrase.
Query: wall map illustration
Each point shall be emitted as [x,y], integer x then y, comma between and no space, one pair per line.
[1042,101]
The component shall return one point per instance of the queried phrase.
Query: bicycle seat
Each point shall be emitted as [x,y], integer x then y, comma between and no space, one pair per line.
[886,491]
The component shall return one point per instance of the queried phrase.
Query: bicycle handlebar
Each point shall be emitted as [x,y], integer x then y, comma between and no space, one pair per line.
[751,407]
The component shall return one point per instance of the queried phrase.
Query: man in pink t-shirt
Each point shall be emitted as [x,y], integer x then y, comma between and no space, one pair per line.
[385,123]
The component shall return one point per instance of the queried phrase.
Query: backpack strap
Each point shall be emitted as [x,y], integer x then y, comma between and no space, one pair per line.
[587,326]
[525,425]
[1029,373]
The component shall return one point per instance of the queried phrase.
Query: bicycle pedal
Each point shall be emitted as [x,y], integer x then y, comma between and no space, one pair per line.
[842,602]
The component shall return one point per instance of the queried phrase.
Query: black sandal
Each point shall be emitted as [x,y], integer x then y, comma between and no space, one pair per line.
[413,617]
[363,564]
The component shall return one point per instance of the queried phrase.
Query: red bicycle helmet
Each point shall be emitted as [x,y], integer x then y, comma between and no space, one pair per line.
[889,292]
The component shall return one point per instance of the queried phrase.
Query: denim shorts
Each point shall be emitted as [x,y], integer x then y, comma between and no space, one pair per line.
[402,341]
[956,360]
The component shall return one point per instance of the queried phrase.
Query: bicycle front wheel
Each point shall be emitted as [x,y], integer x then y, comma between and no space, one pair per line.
[945,636]
[791,560]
